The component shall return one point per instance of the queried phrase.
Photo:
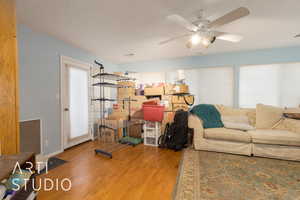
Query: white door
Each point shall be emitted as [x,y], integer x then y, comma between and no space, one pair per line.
[75,104]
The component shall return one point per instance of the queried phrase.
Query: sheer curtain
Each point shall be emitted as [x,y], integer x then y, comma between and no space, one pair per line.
[212,85]
[276,85]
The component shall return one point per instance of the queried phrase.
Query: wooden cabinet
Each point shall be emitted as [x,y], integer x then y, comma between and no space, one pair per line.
[9,128]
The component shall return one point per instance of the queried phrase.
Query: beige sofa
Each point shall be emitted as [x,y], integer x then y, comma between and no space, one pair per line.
[281,140]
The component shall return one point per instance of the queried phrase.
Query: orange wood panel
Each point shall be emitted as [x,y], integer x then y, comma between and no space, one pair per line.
[9,122]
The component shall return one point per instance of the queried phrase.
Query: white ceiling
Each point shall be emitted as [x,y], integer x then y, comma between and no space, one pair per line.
[112,28]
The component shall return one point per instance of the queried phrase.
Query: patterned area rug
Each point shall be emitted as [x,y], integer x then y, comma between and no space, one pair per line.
[218,176]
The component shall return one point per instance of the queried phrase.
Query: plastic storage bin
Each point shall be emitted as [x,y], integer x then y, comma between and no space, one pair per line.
[152,131]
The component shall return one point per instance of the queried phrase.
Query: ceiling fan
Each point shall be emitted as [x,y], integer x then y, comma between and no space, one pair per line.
[201,31]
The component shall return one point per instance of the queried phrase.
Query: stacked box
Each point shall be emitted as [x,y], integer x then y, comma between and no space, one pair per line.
[169,89]
[184,107]
[154,91]
[166,100]
[178,99]
[127,83]
[125,92]
[135,130]
[182,88]
[138,101]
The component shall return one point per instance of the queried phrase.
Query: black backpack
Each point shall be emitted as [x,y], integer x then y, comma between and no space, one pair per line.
[176,134]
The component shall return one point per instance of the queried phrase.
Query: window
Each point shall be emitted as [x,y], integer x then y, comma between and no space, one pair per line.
[275,85]
[213,85]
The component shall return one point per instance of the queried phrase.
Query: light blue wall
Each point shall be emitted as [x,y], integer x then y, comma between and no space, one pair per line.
[264,56]
[39,62]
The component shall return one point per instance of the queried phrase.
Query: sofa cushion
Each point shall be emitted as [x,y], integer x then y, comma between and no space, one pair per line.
[227,134]
[267,116]
[230,111]
[239,122]
[278,137]
[238,126]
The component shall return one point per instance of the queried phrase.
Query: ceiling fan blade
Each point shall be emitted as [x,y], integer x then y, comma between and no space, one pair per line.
[174,38]
[229,17]
[183,22]
[228,36]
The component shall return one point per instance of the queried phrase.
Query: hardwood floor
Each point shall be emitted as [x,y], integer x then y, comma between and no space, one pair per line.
[140,172]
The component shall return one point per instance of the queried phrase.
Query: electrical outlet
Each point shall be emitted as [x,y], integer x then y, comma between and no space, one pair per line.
[46,143]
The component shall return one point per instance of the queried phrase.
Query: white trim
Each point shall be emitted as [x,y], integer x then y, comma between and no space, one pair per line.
[70,61]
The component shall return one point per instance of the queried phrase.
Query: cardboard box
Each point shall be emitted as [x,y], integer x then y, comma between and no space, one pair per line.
[135,105]
[127,83]
[178,99]
[169,89]
[135,130]
[154,91]
[179,89]
[119,114]
[109,133]
[138,101]
[113,123]
[109,136]
[166,100]
[125,92]
[184,107]
[137,115]
[183,99]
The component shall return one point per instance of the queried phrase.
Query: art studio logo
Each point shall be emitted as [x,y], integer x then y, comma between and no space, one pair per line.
[21,178]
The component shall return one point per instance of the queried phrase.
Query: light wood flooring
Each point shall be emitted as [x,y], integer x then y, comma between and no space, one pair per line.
[140,172]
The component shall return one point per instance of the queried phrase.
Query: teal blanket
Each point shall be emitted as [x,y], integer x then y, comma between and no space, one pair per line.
[209,114]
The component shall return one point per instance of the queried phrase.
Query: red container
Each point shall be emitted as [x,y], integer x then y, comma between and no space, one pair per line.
[154,113]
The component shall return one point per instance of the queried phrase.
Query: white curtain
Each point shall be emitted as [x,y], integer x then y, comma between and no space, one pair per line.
[212,85]
[276,85]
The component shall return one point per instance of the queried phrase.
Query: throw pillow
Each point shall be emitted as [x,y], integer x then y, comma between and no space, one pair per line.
[267,116]
[229,111]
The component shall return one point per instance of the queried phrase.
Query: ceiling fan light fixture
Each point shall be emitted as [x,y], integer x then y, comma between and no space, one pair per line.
[195,39]
[206,42]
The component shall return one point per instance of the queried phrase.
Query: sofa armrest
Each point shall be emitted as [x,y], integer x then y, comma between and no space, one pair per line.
[292,125]
[196,124]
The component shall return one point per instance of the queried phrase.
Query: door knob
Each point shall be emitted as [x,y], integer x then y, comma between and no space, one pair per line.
[66,109]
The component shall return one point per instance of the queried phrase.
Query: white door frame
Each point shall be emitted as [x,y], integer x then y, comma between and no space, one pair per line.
[64,60]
